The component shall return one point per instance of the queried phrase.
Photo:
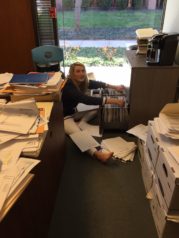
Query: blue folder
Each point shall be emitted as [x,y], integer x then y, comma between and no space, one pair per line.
[29,78]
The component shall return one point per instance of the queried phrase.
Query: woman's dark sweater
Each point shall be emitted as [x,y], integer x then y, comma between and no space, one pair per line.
[71,96]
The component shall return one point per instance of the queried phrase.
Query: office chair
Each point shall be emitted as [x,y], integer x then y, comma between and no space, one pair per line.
[47,58]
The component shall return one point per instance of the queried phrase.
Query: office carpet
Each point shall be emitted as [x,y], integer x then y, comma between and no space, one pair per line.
[98,200]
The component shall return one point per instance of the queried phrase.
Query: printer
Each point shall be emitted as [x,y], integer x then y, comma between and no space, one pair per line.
[161,49]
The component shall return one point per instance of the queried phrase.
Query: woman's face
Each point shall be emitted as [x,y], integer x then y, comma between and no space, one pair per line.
[79,73]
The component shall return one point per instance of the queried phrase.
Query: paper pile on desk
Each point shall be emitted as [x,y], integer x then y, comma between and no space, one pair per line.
[20,91]
[122,149]
[11,176]
[13,116]
[22,122]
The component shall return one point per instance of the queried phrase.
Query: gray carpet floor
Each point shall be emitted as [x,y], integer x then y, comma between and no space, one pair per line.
[98,200]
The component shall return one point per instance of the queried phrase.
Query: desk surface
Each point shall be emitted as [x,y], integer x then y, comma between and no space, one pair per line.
[31,214]
[139,61]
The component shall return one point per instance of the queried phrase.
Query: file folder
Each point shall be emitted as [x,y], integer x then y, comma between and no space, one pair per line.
[29,78]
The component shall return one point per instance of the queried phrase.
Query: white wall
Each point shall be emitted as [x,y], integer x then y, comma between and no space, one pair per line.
[171,21]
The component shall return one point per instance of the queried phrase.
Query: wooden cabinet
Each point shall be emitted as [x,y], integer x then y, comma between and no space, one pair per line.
[17,36]
[31,214]
[151,87]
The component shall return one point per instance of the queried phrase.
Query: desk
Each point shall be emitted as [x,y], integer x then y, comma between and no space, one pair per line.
[31,214]
[151,87]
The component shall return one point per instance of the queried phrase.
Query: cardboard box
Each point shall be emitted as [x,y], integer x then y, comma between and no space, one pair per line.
[166,223]
[167,172]
[147,171]
[140,146]
[156,141]
[152,143]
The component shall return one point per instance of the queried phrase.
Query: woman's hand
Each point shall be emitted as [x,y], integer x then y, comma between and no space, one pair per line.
[119,88]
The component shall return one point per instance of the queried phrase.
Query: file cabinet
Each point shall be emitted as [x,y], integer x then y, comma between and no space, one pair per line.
[151,87]
[30,216]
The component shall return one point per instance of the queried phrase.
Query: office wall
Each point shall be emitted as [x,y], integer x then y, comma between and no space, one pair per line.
[171,21]
[17,36]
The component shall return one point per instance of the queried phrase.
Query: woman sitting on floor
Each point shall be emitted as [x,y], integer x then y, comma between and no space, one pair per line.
[74,92]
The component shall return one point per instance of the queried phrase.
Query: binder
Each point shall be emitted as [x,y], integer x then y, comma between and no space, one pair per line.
[29,78]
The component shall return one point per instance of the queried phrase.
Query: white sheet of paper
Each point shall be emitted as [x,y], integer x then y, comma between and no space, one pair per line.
[119,146]
[6,136]
[84,140]
[54,80]
[6,181]
[5,78]
[13,116]
[140,131]
[23,166]
[10,152]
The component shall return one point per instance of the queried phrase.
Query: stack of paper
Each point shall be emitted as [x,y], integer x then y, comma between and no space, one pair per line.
[22,123]
[143,36]
[122,149]
[13,116]
[168,121]
[33,85]
[11,177]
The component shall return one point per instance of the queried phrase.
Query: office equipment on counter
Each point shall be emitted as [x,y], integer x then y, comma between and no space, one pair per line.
[161,49]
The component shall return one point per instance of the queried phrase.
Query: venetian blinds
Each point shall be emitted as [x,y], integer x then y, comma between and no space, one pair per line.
[45,22]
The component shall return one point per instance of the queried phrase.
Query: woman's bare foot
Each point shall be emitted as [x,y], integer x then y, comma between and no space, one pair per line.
[103,156]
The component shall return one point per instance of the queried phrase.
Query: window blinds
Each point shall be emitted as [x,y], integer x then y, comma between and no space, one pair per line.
[45,22]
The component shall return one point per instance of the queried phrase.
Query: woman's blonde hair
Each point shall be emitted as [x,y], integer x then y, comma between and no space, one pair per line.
[84,85]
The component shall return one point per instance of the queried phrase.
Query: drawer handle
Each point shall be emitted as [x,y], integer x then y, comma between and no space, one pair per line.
[165,170]
[150,154]
[161,188]
[152,139]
